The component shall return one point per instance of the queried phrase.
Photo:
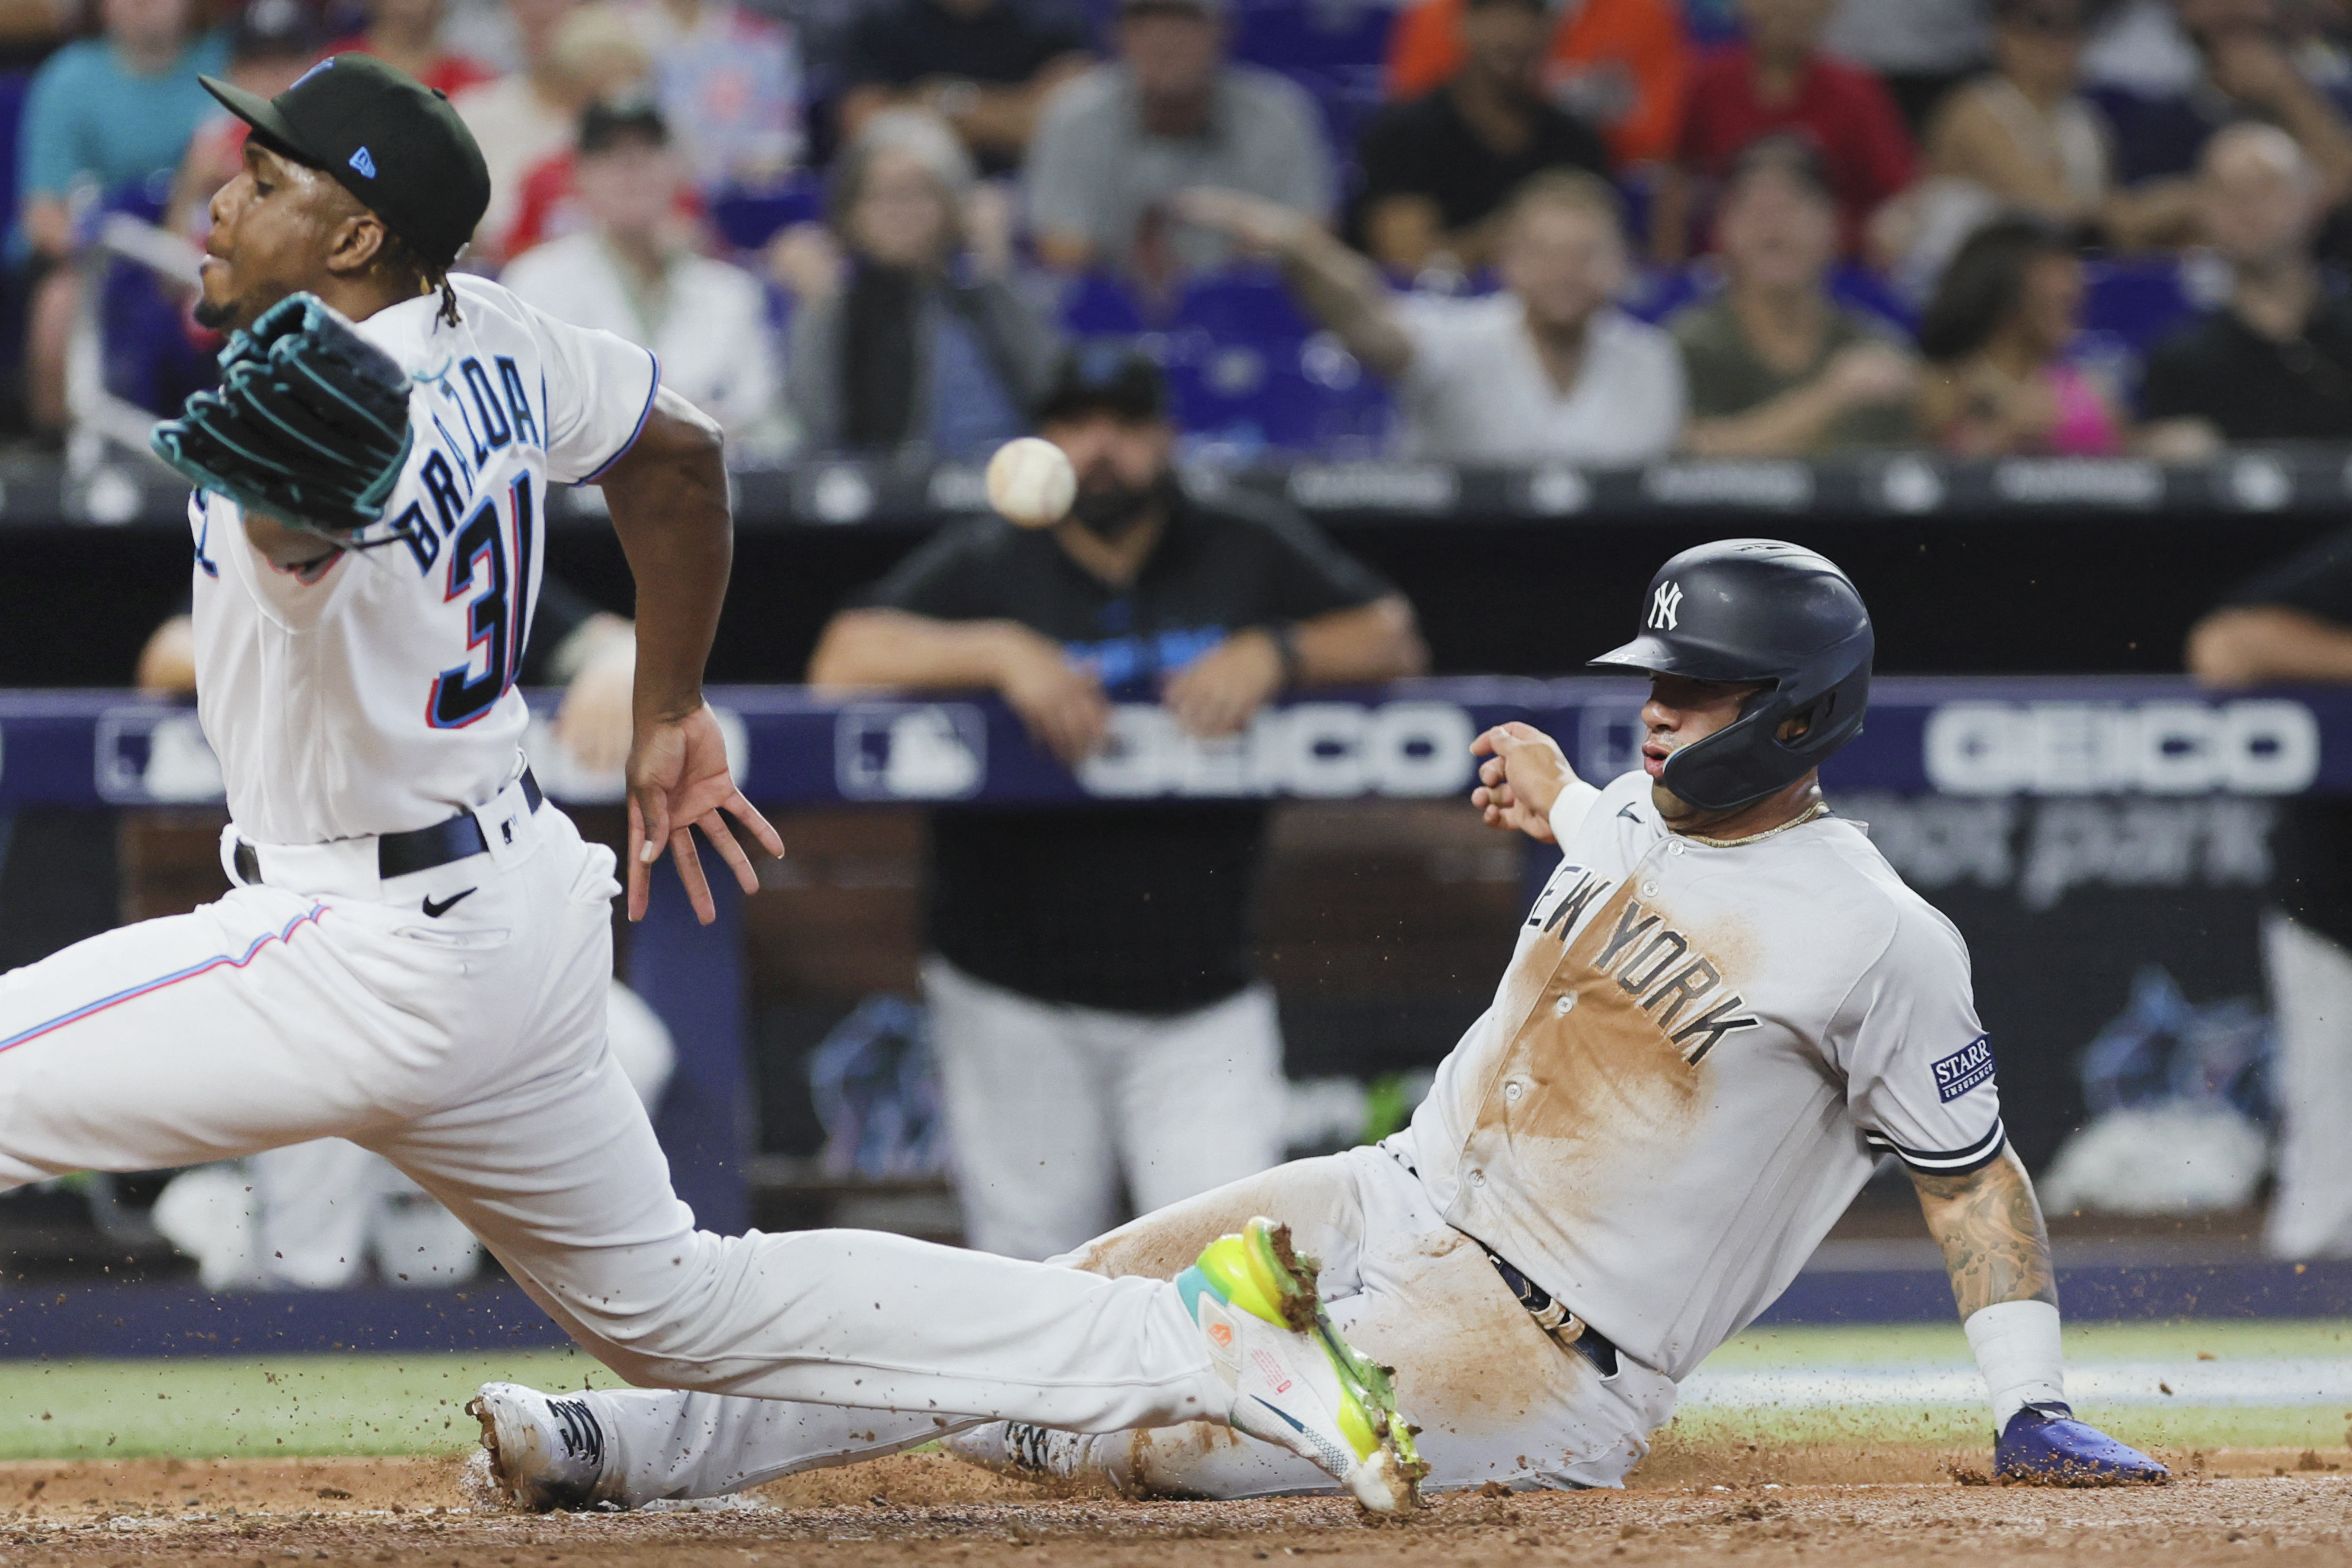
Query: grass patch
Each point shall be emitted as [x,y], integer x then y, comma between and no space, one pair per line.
[263,1407]
[1798,1346]
[323,1405]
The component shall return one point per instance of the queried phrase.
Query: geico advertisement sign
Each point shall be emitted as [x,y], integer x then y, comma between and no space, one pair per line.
[2258,747]
[1321,750]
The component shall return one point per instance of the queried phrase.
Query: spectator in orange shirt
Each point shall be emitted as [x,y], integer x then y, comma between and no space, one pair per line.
[1618,64]
[1779,82]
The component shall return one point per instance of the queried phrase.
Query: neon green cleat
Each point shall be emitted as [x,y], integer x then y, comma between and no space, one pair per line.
[1296,1383]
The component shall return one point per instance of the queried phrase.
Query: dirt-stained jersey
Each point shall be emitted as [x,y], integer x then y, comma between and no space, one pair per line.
[1692,1065]
[381,698]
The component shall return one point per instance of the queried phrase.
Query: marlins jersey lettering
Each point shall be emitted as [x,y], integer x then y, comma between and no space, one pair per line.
[1692,1065]
[382,698]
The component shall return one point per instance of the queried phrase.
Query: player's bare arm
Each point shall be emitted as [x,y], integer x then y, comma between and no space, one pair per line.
[1990,1227]
[1060,701]
[668,500]
[1343,291]
[2247,644]
[1217,693]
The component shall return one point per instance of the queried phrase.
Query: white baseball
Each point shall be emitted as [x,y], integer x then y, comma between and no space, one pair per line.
[1031,482]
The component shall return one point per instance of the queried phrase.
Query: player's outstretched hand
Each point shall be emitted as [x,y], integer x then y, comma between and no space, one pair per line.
[1524,773]
[679,780]
[2043,1445]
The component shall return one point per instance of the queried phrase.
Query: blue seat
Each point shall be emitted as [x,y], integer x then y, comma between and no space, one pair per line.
[1099,305]
[1336,49]
[2135,303]
[1249,372]
[150,357]
[747,220]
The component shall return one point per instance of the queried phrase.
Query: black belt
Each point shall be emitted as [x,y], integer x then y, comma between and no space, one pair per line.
[1554,1318]
[420,849]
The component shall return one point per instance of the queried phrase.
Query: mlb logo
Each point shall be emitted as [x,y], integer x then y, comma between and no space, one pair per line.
[911,751]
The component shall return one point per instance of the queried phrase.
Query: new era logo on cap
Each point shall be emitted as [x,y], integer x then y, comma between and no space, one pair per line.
[363,163]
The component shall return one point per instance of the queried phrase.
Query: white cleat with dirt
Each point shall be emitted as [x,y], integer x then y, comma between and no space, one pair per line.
[545,1452]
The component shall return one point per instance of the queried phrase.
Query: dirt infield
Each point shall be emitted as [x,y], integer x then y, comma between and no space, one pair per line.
[1736,1504]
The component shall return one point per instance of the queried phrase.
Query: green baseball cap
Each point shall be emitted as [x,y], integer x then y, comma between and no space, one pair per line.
[387,138]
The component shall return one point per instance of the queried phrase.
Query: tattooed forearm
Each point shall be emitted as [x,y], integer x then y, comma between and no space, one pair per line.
[1990,1229]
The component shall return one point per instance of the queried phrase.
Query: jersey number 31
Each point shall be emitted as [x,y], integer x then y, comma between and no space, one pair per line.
[497,622]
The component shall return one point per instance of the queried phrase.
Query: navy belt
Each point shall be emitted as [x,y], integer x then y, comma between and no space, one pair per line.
[1554,1318]
[419,848]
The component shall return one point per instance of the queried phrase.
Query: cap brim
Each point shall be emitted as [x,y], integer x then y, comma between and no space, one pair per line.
[258,112]
[1648,656]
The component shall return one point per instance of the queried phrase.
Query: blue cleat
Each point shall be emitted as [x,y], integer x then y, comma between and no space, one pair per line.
[2043,1445]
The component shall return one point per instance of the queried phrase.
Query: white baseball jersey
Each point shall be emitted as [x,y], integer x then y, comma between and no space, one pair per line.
[381,698]
[1692,1065]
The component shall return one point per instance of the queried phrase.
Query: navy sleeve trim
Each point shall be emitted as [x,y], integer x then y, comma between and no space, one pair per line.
[1953,1162]
[644,415]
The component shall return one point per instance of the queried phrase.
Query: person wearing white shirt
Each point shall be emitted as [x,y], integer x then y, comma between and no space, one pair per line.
[1548,371]
[630,273]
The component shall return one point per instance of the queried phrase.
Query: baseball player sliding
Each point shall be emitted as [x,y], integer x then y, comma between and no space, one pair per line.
[416,953]
[1721,1010]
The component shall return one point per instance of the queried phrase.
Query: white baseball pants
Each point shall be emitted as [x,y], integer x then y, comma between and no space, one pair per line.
[1498,1400]
[1049,1105]
[2311,996]
[470,1051]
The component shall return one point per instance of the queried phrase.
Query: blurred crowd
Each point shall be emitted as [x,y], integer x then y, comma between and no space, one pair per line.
[1483,231]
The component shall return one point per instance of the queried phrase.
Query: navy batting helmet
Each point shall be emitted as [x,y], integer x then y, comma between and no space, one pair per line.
[1759,611]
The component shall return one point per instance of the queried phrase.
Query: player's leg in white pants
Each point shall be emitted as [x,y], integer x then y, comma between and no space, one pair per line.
[324,1208]
[1028,1109]
[1048,1104]
[2310,998]
[469,1050]
[1198,1097]
[1497,1398]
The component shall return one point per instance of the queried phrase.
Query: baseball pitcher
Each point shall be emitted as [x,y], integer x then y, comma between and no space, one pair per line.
[1721,1012]
[415,953]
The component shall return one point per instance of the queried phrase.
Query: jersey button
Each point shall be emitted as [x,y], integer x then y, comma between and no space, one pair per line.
[1511,1093]
[1650,888]
[1673,849]
[1566,1005]
[1478,1179]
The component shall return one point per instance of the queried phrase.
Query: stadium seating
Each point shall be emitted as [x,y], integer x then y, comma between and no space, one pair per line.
[1248,371]
[746,220]
[1336,49]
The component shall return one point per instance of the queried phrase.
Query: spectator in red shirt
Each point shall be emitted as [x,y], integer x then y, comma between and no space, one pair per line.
[408,34]
[1779,81]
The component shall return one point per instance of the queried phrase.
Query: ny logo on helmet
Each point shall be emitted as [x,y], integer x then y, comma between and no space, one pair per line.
[1663,604]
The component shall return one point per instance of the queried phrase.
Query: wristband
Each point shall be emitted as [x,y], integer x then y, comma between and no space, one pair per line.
[1567,813]
[2016,1349]
[1285,647]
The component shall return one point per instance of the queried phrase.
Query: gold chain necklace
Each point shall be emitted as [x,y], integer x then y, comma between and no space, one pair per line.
[1817,809]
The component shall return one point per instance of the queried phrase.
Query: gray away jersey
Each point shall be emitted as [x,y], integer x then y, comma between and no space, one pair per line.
[1692,1065]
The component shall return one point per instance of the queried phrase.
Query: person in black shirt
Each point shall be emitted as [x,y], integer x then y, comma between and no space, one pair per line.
[2275,362]
[1438,169]
[983,66]
[2293,622]
[1094,1001]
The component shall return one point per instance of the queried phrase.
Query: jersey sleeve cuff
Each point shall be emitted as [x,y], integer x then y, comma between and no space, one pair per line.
[1947,1162]
[652,392]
